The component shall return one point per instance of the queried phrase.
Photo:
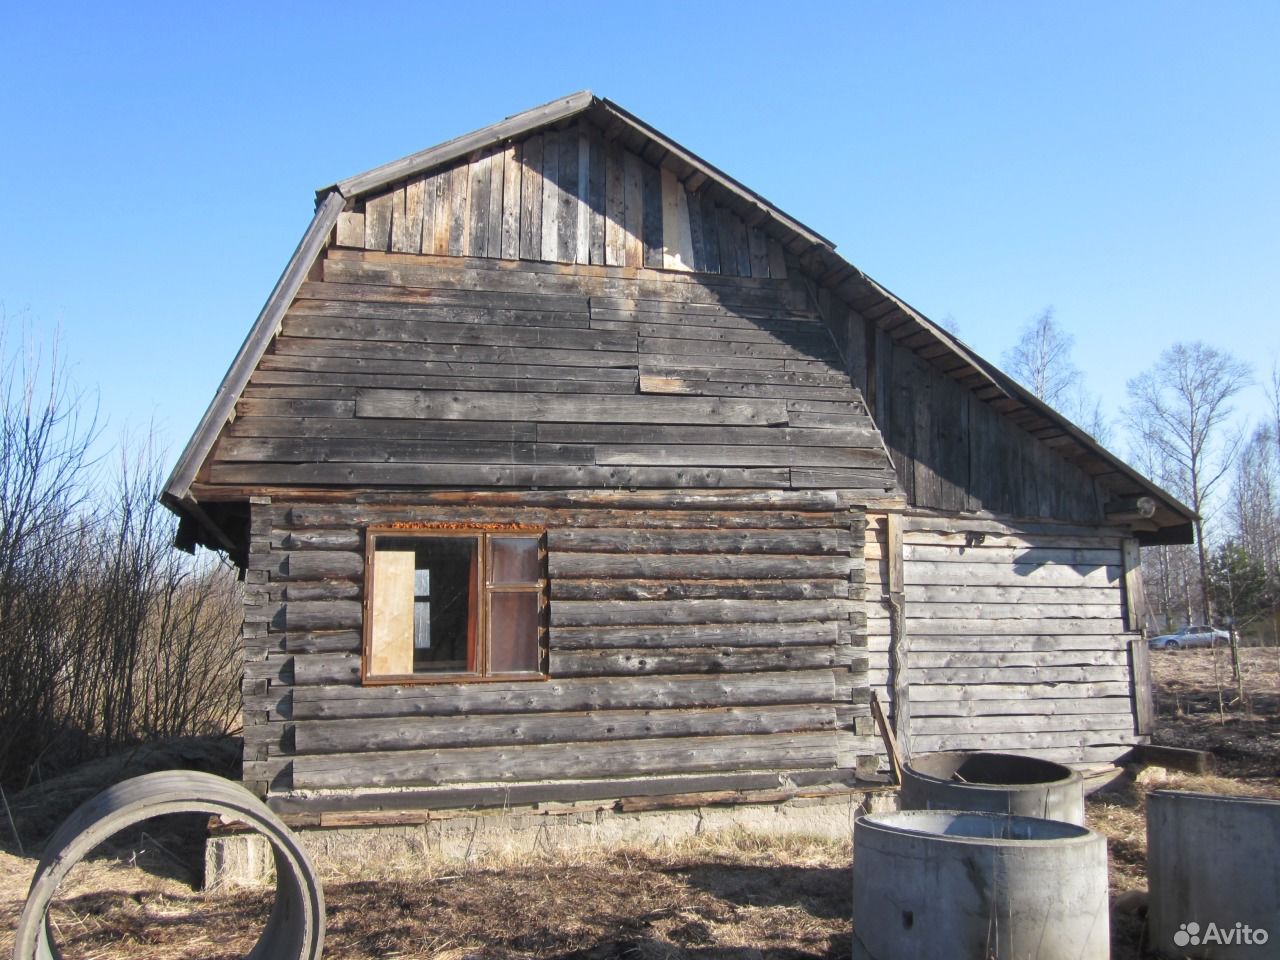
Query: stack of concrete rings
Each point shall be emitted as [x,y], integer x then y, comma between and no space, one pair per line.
[295,928]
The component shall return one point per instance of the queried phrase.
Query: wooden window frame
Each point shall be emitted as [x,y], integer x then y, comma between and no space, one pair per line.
[478,620]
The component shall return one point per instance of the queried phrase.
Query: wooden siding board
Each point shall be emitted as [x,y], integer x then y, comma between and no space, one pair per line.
[597,189]
[651,187]
[551,207]
[531,198]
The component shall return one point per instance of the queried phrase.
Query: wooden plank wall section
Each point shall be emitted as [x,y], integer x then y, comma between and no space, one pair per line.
[414,370]
[1018,640]
[954,451]
[712,642]
[565,196]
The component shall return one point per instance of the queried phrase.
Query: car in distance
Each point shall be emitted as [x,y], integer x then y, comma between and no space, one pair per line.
[1190,636]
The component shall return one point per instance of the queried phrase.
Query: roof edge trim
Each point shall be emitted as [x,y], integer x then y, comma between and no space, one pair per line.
[178,486]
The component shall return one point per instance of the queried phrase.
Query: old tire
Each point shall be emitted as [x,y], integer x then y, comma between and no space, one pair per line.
[295,928]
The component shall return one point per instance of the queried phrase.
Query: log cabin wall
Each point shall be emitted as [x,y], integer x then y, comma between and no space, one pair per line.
[1017,637]
[690,648]
[566,195]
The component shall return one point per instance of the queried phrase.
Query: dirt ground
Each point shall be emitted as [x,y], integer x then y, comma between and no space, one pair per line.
[727,896]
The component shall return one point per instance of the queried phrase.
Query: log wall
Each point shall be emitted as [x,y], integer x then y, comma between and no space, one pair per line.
[569,195]
[686,640]
[1016,637]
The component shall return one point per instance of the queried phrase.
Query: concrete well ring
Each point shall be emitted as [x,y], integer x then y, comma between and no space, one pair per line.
[295,927]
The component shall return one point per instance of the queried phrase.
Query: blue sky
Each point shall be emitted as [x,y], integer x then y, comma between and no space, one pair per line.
[1118,162]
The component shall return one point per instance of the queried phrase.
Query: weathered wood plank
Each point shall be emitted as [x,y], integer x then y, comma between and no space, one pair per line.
[1111,705]
[762,787]
[801,633]
[945,573]
[381,473]
[837,542]
[924,627]
[568,198]
[758,245]
[750,455]
[398,429]
[652,193]
[551,157]
[1034,741]
[710,234]
[378,213]
[959,693]
[697,566]
[700,589]
[1105,725]
[350,229]
[443,213]
[677,246]
[1008,674]
[509,243]
[685,434]
[459,205]
[464,353]
[636,662]
[566,761]
[367,736]
[1027,642]
[693,205]
[777,260]
[530,507]
[493,228]
[531,191]
[330,450]
[633,210]
[596,195]
[993,660]
[615,227]
[568,613]
[561,694]
[406,222]
[441,405]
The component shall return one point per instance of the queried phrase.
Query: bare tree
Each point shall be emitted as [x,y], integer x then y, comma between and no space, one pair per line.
[1042,361]
[107,634]
[1181,407]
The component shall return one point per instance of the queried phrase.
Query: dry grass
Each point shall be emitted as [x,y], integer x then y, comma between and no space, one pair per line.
[729,895]
[719,896]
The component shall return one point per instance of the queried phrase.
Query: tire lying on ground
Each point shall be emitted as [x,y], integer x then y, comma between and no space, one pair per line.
[295,928]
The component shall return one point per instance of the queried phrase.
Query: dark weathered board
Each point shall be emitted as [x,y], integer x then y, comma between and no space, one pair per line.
[686,632]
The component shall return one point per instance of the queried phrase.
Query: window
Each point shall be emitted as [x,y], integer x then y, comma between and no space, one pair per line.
[453,603]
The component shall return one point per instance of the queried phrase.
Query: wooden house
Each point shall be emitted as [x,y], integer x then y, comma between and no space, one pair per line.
[562,466]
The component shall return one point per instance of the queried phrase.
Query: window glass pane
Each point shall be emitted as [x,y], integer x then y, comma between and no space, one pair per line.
[514,560]
[513,632]
[436,616]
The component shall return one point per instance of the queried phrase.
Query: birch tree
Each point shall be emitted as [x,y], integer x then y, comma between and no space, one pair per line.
[1181,408]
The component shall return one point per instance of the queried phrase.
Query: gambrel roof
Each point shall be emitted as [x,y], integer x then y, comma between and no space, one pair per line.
[714,225]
